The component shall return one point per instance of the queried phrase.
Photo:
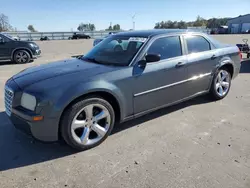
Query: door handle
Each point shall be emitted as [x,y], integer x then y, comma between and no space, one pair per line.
[180,64]
[213,57]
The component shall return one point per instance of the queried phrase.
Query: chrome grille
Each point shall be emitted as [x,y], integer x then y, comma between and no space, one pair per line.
[8,96]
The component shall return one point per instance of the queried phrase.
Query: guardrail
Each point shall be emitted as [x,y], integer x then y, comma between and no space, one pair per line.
[65,35]
[55,35]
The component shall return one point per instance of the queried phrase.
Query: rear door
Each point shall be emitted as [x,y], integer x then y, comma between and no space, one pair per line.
[201,61]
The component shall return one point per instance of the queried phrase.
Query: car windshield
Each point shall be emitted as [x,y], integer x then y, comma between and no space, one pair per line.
[115,50]
[8,36]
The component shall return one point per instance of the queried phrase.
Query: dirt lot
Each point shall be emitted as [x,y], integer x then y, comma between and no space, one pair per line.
[199,143]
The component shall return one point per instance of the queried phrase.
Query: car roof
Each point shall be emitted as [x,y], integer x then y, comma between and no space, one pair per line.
[154,32]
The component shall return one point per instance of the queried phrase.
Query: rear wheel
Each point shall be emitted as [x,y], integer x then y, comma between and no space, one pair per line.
[87,123]
[21,56]
[221,84]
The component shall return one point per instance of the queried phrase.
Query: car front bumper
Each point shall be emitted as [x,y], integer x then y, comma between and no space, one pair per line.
[44,130]
[36,53]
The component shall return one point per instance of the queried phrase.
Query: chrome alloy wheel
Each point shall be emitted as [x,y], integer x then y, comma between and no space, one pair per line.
[21,57]
[222,83]
[90,124]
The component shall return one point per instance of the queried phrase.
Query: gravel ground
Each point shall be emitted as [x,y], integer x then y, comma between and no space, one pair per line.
[198,143]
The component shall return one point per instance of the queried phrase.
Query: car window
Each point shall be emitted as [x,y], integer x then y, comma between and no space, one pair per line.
[197,44]
[117,50]
[167,47]
[4,38]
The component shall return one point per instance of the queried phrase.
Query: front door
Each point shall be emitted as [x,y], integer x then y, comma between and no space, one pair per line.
[163,82]
[4,48]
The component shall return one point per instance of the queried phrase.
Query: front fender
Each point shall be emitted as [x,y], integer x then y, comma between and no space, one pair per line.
[79,90]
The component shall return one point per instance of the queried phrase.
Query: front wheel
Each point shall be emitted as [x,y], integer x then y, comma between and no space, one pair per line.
[221,84]
[21,56]
[87,123]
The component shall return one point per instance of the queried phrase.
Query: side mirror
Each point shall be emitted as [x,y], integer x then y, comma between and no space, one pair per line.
[153,57]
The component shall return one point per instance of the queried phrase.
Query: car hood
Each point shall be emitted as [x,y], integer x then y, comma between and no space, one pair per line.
[39,73]
[24,42]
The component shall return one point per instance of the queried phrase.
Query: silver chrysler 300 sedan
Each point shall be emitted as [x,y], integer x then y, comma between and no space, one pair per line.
[127,75]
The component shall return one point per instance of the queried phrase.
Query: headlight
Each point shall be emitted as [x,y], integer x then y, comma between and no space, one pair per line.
[28,101]
[32,45]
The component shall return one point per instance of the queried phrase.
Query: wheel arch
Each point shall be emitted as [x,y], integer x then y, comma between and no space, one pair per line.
[227,63]
[229,67]
[103,93]
[21,48]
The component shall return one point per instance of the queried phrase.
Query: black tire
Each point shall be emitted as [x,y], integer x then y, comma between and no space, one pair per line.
[213,92]
[26,57]
[248,55]
[72,111]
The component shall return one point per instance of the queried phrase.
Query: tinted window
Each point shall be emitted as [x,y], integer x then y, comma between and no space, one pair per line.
[167,47]
[116,50]
[197,44]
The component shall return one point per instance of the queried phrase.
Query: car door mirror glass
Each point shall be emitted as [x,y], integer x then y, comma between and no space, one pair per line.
[152,58]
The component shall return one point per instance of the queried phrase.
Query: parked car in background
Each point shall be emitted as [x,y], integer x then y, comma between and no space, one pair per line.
[127,75]
[97,41]
[79,36]
[44,38]
[220,30]
[17,51]
[246,31]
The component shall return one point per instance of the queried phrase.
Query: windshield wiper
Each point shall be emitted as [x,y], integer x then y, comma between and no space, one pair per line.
[99,62]
[90,59]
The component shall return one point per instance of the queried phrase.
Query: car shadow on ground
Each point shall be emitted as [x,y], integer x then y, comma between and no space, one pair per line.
[161,112]
[245,66]
[6,63]
[2,63]
[19,150]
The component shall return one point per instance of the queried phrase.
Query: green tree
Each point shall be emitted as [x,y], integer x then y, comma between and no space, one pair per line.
[200,22]
[91,27]
[31,28]
[182,25]
[157,25]
[86,27]
[215,22]
[116,27]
